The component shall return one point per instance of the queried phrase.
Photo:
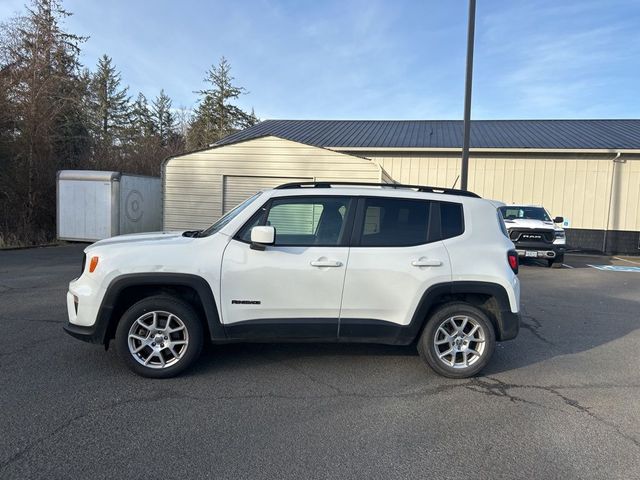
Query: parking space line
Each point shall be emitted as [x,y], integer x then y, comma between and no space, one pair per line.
[625,260]
[568,266]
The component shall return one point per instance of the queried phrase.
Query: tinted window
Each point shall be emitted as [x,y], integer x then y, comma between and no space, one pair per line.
[530,213]
[303,221]
[452,220]
[394,222]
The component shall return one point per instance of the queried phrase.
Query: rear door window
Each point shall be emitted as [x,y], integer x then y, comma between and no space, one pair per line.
[394,222]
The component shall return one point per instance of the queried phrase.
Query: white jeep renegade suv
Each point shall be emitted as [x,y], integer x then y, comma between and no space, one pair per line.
[322,262]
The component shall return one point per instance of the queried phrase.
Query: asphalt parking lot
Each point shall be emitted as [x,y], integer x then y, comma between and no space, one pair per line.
[560,401]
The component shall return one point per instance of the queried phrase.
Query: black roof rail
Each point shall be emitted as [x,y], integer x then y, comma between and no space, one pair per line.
[419,188]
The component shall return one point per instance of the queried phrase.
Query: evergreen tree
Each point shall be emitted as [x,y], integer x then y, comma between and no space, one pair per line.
[141,117]
[253,119]
[110,107]
[216,116]
[164,123]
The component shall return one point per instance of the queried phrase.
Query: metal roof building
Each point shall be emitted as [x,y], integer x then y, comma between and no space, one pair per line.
[585,170]
[445,134]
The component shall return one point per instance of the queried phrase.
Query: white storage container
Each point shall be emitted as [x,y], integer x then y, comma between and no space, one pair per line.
[92,205]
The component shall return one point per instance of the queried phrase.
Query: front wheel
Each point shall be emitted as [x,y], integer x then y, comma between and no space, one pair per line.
[458,340]
[557,262]
[159,337]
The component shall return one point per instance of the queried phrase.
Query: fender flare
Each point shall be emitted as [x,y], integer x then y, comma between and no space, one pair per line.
[507,322]
[197,283]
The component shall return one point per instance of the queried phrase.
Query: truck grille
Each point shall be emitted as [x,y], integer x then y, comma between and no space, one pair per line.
[528,235]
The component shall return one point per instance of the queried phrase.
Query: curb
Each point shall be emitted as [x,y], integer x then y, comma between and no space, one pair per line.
[42,245]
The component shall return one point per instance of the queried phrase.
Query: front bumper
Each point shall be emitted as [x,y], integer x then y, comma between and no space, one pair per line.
[548,251]
[94,334]
[83,308]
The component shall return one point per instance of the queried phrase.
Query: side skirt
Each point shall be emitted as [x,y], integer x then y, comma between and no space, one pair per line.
[319,330]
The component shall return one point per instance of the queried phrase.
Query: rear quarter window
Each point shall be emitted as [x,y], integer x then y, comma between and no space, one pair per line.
[452,219]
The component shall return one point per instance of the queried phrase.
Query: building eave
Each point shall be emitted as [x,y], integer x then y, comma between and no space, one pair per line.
[490,150]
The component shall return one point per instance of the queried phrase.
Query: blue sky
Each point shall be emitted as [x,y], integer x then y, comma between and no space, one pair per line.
[370,59]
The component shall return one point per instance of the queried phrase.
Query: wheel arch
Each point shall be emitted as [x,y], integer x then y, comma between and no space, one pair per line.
[492,298]
[127,289]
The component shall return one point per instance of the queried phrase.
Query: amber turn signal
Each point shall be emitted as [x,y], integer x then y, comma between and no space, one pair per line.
[93,264]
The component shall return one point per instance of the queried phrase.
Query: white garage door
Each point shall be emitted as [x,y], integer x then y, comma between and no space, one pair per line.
[238,188]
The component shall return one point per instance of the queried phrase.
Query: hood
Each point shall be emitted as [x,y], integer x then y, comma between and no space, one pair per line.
[154,238]
[532,224]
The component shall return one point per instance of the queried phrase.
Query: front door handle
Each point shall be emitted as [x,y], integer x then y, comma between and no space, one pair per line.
[326,263]
[426,262]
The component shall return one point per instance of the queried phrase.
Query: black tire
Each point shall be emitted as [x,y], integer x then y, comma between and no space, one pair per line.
[427,348]
[557,262]
[193,333]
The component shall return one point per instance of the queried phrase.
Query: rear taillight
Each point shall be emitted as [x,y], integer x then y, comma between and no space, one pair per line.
[512,257]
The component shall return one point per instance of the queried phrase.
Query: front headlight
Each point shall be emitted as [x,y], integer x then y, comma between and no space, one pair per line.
[559,234]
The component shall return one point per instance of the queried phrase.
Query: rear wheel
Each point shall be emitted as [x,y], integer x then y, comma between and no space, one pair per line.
[159,337]
[458,340]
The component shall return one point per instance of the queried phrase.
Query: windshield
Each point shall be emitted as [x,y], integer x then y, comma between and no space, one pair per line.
[526,213]
[227,217]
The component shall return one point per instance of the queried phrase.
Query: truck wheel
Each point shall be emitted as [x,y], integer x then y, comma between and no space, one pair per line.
[457,341]
[556,262]
[159,337]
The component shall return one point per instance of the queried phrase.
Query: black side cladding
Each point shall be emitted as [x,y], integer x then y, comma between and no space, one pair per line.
[97,333]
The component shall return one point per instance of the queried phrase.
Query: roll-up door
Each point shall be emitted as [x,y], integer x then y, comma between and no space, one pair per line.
[239,188]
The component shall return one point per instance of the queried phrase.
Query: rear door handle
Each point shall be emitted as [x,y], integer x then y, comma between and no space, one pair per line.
[426,262]
[326,263]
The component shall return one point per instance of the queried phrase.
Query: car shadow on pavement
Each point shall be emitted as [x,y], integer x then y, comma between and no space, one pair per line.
[570,321]
[248,354]
[548,330]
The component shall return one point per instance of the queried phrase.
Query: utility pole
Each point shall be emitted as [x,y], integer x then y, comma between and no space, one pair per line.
[467,96]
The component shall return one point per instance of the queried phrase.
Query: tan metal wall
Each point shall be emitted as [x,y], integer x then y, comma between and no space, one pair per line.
[236,189]
[193,183]
[576,186]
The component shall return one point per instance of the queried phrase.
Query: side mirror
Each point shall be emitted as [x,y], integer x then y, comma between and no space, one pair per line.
[262,236]
[558,220]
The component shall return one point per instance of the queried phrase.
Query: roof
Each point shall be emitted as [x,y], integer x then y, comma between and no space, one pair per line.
[330,184]
[89,175]
[540,134]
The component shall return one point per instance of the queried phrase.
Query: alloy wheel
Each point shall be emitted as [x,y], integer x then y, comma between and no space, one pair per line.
[158,339]
[459,341]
